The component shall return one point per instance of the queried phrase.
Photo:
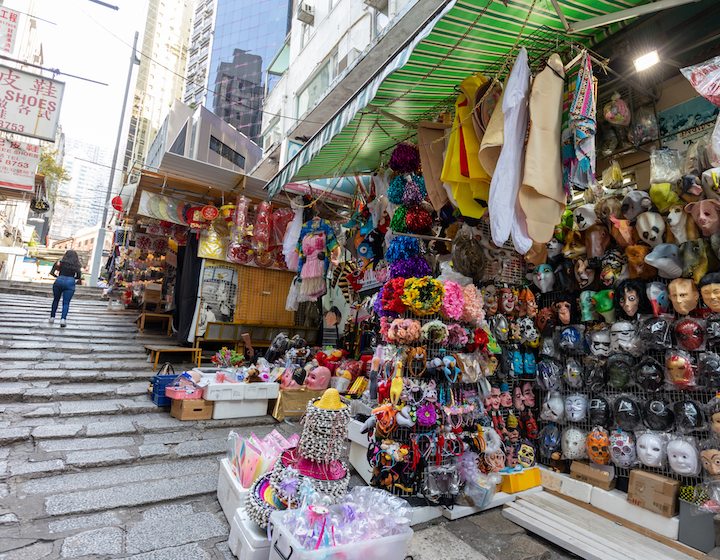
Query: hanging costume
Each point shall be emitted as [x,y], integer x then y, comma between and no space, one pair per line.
[542,196]
[316,243]
[506,216]
[462,170]
[579,127]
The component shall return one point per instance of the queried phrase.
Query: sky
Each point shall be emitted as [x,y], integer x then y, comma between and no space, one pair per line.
[80,46]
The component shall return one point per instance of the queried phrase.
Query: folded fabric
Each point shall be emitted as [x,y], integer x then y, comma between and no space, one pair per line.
[431,156]
[542,196]
[493,139]
[505,214]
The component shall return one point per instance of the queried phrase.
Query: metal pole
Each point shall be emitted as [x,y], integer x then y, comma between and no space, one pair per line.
[100,242]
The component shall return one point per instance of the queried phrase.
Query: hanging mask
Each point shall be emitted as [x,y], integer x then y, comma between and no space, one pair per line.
[627,413]
[528,394]
[659,416]
[544,278]
[596,374]
[604,302]
[499,327]
[553,409]
[683,457]
[529,364]
[651,228]
[584,275]
[573,373]
[549,375]
[631,299]
[666,258]
[518,399]
[619,370]
[681,370]
[706,214]
[635,203]
[598,446]
[576,408]
[684,295]
[546,320]
[709,369]
[585,216]
[571,340]
[651,450]
[574,445]
[599,342]
[587,307]
[600,412]
[528,333]
[614,267]
[690,334]
[650,374]
[689,416]
[622,338]
[622,449]
[526,454]
[517,363]
[549,440]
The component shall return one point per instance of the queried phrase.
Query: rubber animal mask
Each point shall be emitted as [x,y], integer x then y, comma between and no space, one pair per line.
[622,231]
[597,240]
[609,207]
[636,261]
[681,225]
[657,293]
[574,245]
[650,227]
[689,188]
[698,259]
[635,203]
[587,307]
[614,267]
[604,302]
[585,216]
[584,275]
[666,259]
[706,214]
[544,278]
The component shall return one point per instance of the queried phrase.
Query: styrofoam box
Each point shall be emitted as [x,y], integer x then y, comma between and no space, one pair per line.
[354,434]
[247,541]
[230,493]
[285,546]
[615,502]
[239,409]
[240,391]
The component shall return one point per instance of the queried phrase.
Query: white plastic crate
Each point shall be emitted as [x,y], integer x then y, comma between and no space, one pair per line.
[240,391]
[286,547]
[247,541]
[230,493]
[239,409]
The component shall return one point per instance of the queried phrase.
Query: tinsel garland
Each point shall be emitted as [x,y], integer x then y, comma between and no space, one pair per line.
[405,159]
[402,248]
[397,189]
[414,267]
[398,220]
[417,220]
[452,305]
[415,191]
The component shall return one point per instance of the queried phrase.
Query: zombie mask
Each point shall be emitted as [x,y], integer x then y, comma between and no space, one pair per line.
[598,446]
[587,308]
[622,449]
[526,454]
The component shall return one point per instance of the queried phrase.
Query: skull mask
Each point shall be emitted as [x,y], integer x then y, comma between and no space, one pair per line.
[622,449]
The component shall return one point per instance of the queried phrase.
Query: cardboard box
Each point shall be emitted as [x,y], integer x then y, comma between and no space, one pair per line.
[601,478]
[653,492]
[193,409]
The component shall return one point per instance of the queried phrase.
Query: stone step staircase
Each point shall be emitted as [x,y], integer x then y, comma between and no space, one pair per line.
[86,457]
[44,289]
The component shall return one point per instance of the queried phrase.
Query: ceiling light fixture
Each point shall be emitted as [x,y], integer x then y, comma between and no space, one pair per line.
[646,61]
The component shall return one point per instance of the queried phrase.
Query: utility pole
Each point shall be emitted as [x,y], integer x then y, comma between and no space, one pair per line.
[100,242]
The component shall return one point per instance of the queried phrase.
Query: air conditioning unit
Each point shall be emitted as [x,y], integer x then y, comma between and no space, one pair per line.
[306,13]
[377,4]
[346,60]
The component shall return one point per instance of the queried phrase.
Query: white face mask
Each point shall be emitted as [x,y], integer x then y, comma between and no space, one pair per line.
[576,408]
[650,450]
[683,458]
[574,444]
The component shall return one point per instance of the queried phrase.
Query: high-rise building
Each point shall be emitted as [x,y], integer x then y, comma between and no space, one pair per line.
[161,77]
[80,201]
[232,46]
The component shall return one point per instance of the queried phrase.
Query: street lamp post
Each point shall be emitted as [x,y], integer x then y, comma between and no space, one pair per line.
[100,243]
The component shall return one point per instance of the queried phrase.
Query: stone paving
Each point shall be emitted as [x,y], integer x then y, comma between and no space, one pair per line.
[90,468]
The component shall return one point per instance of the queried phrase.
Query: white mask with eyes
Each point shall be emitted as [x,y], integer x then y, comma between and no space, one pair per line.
[651,450]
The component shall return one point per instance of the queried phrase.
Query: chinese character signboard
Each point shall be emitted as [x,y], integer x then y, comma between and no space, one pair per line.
[29,104]
[18,164]
[8,29]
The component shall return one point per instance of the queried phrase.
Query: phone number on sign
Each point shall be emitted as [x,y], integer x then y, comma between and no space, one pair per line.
[21,164]
[12,126]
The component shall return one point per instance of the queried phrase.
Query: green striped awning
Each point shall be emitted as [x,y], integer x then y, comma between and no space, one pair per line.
[464,37]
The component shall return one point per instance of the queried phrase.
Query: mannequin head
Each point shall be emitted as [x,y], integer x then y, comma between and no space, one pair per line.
[710,289]
[650,450]
[683,295]
[683,457]
[318,378]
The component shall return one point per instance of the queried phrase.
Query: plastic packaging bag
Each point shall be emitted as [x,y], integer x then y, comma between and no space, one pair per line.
[612,177]
[664,166]
[279,221]
[716,145]
[646,126]
[617,111]
[261,231]
[705,78]
[609,142]
[292,234]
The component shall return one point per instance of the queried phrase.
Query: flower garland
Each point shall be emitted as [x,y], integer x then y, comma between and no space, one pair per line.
[474,306]
[453,302]
[398,220]
[405,159]
[402,331]
[457,334]
[414,267]
[392,293]
[402,248]
[423,296]
[435,331]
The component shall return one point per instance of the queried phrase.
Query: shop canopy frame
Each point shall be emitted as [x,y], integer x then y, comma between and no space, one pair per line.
[420,81]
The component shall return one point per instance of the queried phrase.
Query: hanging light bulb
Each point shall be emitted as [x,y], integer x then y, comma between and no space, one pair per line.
[646,61]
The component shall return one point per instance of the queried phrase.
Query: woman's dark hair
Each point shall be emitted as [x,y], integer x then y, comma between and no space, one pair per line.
[71,258]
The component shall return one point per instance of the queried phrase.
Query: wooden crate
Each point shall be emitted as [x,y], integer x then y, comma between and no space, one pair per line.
[191,409]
